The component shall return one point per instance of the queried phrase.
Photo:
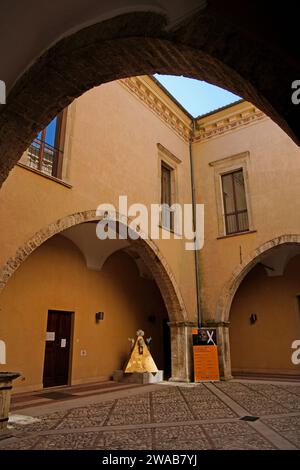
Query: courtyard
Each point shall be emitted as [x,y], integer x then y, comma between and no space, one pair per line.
[240,414]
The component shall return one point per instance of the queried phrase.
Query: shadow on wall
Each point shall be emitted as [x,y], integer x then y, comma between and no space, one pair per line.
[264,346]
[210,45]
[62,282]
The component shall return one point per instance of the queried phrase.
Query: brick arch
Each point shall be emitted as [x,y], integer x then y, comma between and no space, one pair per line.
[231,287]
[145,248]
[205,47]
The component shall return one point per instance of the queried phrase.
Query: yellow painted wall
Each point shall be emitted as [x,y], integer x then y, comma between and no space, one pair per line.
[110,150]
[274,195]
[265,346]
[55,277]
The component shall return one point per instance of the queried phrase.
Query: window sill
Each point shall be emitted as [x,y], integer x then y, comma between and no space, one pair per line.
[40,173]
[248,232]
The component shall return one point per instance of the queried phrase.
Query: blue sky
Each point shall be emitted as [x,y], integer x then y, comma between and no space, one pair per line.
[50,133]
[195,96]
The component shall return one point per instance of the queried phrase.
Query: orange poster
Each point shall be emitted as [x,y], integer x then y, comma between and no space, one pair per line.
[205,352]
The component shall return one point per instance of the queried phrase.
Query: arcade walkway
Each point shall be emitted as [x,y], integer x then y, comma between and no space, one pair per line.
[239,414]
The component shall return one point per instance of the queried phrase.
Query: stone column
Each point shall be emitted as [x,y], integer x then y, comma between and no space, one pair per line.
[6,379]
[181,351]
[223,347]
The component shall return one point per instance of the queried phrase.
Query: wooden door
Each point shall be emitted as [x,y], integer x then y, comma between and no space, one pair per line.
[57,351]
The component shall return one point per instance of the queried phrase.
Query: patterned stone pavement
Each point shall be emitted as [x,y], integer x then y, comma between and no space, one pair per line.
[169,417]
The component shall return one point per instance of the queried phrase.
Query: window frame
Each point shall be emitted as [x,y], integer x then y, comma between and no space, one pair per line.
[228,165]
[165,166]
[39,147]
[236,212]
[171,162]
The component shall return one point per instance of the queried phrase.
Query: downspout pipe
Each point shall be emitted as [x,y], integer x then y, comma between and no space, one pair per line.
[197,270]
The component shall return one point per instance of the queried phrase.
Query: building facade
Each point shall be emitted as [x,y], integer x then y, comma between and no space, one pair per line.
[70,301]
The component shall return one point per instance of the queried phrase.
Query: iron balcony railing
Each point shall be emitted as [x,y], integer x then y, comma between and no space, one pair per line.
[44,157]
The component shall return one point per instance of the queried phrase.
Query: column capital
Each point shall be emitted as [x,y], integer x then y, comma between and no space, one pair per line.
[182,324]
[216,324]
[193,324]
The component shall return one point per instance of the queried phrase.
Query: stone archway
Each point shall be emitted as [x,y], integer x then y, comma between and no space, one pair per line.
[231,287]
[207,46]
[147,250]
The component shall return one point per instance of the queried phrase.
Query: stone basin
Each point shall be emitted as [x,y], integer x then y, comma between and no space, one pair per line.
[6,379]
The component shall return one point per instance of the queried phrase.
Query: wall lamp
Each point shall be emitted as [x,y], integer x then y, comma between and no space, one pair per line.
[99,316]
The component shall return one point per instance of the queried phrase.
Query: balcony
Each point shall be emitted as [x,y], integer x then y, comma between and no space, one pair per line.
[44,157]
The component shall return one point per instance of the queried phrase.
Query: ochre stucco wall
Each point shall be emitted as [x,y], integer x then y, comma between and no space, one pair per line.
[110,150]
[274,182]
[265,346]
[55,277]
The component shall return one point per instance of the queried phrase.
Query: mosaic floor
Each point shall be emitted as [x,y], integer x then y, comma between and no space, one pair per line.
[230,415]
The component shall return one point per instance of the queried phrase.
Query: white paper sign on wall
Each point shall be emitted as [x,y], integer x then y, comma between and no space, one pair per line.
[50,336]
[2,352]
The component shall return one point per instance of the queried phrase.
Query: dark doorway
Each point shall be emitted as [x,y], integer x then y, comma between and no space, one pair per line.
[57,351]
[167,349]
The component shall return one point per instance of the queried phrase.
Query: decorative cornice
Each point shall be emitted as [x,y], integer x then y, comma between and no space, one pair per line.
[168,154]
[142,90]
[222,124]
[227,161]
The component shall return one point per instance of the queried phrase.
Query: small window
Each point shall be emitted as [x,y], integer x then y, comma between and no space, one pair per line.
[46,150]
[167,216]
[235,203]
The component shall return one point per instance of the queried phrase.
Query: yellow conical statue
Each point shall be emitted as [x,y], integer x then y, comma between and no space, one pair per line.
[140,359]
